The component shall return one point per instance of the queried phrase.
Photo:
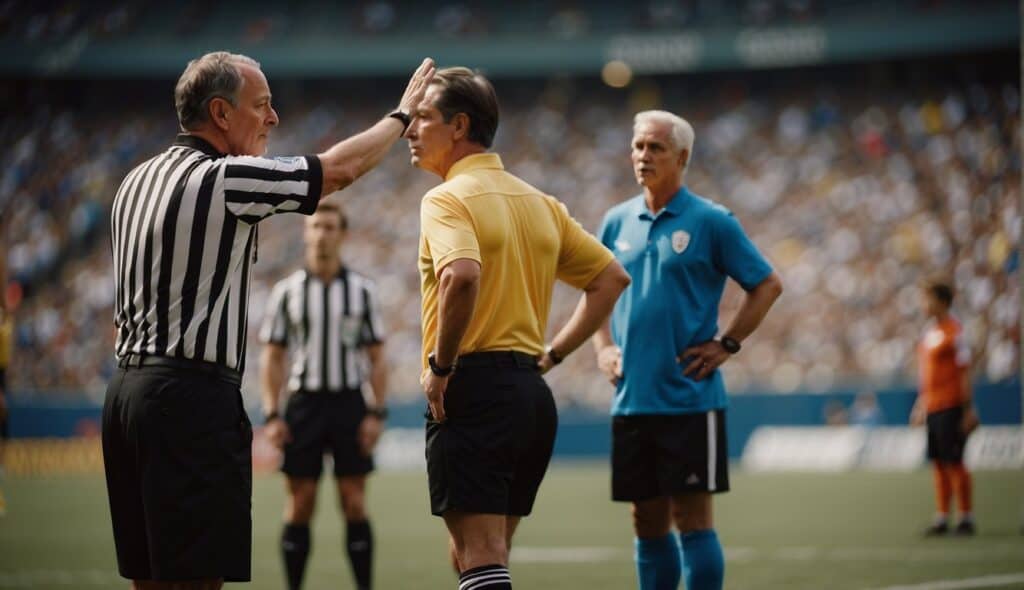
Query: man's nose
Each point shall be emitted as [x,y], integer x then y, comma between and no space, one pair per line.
[273,120]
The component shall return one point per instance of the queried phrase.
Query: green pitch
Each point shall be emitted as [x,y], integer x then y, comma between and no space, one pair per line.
[845,531]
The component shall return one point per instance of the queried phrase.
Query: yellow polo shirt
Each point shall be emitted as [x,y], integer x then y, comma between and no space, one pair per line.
[523,240]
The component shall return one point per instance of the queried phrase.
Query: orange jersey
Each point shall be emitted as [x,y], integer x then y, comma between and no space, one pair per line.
[943,358]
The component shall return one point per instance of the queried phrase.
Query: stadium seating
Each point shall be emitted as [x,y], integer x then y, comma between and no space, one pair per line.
[854,194]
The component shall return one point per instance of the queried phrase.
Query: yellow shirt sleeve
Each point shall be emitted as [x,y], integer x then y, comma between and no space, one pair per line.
[447,228]
[581,257]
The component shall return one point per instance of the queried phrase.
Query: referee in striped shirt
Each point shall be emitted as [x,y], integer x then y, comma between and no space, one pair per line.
[176,439]
[328,316]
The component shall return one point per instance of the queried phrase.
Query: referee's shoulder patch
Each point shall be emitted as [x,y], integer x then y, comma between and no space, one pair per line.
[290,160]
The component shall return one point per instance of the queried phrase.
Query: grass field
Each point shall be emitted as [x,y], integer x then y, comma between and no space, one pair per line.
[793,531]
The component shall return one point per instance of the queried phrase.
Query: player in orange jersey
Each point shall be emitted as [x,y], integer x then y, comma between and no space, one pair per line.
[945,404]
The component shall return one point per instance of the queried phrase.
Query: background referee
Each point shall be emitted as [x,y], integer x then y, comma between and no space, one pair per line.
[176,440]
[328,316]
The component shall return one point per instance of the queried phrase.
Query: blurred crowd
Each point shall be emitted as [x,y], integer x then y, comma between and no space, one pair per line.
[48,21]
[853,195]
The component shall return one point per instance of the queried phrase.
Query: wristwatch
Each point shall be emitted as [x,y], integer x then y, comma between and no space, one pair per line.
[402,116]
[270,416]
[731,345]
[438,369]
[554,356]
[379,412]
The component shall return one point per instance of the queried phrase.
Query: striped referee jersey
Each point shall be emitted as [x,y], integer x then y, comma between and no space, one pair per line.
[326,325]
[183,230]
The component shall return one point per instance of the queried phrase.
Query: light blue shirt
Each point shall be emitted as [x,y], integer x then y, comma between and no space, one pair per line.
[679,260]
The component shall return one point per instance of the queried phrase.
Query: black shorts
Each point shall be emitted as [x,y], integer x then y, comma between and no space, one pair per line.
[325,422]
[490,455]
[177,450]
[946,438]
[666,455]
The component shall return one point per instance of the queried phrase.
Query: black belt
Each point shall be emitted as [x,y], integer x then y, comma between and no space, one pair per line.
[190,365]
[336,392]
[498,359]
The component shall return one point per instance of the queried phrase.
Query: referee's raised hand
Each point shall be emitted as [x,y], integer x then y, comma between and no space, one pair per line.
[417,87]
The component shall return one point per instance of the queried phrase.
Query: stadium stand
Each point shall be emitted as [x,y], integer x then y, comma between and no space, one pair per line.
[853,193]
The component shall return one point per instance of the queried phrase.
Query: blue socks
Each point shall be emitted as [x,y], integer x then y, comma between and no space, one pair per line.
[657,563]
[703,562]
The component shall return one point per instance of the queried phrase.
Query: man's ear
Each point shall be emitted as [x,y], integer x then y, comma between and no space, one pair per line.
[684,158]
[220,112]
[461,123]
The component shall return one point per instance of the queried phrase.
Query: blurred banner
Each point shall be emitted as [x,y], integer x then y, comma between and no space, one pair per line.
[289,46]
[50,437]
[843,448]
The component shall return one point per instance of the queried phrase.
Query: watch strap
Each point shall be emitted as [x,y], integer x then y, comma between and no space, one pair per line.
[437,369]
[379,412]
[731,345]
[402,116]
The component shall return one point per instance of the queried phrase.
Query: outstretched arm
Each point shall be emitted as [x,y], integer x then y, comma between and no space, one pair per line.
[349,159]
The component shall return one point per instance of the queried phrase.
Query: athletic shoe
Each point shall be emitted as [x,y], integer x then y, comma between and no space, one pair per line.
[965,528]
[937,530]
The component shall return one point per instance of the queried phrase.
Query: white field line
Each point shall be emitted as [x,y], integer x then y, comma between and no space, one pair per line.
[937,554]
[567,554]
[998,581]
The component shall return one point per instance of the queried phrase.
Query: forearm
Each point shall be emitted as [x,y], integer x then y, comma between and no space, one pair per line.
[379,377]
[351,158]
[755,306]
[603,336]
[272,376]
[966,388]
[592,312]
[456,303]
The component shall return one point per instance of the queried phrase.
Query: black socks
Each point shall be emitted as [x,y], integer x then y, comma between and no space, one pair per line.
[359,542]
[295,549]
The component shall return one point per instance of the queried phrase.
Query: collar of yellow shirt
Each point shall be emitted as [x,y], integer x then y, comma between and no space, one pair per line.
[482,161]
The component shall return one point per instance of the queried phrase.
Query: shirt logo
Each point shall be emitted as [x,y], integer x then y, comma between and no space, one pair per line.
[622,245]
[680,240]
[933,339]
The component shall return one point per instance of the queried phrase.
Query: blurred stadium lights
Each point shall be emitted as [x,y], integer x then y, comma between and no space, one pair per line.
[617,74]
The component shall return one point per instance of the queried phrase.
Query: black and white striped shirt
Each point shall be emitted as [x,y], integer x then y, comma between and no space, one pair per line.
[325,325]
[183,231]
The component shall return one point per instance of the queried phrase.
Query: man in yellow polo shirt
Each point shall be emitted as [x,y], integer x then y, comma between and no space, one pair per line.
[491,247]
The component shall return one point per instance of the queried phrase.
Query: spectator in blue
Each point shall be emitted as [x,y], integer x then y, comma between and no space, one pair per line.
[662,351]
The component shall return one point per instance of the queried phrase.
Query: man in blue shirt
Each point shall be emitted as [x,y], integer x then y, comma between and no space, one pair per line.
[662,351]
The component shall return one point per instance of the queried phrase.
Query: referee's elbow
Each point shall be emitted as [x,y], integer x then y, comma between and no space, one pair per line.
[338,175]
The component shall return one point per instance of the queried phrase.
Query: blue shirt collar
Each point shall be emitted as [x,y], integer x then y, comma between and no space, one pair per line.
[673,208]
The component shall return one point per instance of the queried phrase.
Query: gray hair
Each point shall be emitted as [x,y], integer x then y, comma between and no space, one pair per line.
[681,130]
[214,75]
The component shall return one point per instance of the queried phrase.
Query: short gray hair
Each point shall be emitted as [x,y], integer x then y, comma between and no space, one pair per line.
[214,75]
[682,131]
